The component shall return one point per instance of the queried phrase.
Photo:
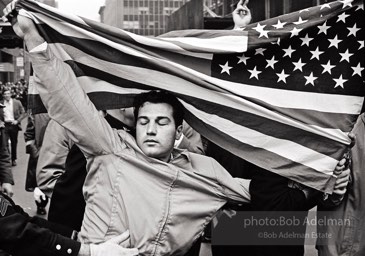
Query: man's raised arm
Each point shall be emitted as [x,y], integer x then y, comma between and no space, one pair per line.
[61,93]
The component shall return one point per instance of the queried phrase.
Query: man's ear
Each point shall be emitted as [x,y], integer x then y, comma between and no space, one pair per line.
[178,132]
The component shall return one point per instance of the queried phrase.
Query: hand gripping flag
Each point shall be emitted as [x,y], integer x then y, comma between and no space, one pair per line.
[281,93]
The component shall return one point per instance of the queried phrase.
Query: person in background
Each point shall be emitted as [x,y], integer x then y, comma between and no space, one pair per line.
[61,172]
[6,176]
[33,137]
[13,115]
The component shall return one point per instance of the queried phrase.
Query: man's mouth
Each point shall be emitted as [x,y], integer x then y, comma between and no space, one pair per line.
[150,142]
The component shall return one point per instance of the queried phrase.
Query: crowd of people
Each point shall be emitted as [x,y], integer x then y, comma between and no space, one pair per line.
[140,180]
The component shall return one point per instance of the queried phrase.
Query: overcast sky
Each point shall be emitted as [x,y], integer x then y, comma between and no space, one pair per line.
[85,8]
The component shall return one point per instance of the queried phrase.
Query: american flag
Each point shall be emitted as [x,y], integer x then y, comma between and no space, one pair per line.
[282,93]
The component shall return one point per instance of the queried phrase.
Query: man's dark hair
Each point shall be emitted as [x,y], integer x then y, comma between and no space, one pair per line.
[160,97]
[5,90]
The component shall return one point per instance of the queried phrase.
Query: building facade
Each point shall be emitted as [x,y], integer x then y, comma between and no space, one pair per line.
[261,9]
[143,17]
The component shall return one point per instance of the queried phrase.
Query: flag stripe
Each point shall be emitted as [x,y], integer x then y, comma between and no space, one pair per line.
[270,128]
[258,156]
[290,149]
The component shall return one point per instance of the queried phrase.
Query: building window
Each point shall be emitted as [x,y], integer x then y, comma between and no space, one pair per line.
[130,24]
[167,10]
[143,10]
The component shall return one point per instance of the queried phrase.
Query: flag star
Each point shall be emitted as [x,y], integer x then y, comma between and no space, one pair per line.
[340,81]
[334,42]
[242,59]
[288,51]
[323,28]
[299,65]
[325,6]
[306,40]
[271,63]
[353,30]
[310,79]
[225,68]
[357,70]
[1,30]
[260,29]
[300,21]
[282,76]
[295,32]
[346,3]
[360,7]
[304,10]
[260,51]
[316,53]
[279,25]
[342,17]
[346,56]
[327,67]
[254,73]
[361,44]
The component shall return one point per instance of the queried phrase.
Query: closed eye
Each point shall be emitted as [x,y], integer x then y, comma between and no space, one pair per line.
[142,121]
[163,121]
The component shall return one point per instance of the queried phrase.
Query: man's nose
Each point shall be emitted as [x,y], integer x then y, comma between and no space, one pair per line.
[151,128]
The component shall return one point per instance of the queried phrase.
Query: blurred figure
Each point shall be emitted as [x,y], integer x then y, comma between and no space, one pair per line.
[33,136]
[6,176]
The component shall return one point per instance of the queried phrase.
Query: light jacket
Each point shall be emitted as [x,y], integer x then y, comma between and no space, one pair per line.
[165,206]
[348,237]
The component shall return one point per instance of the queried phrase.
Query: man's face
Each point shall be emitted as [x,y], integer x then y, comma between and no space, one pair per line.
[155,130]
[7,95]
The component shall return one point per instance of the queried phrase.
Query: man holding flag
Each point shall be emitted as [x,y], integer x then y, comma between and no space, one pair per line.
[179,192]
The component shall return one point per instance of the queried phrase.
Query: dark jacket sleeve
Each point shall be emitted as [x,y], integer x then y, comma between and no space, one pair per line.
[25,236]
[29,133]
[6,176]
[270,192]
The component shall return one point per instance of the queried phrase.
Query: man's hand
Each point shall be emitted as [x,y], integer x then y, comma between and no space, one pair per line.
[342,182]
[23,26]
[113,247]
[7,189]
[241,15]
[38,195]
